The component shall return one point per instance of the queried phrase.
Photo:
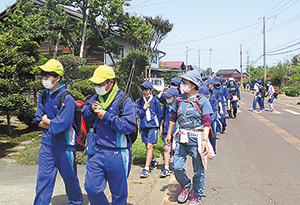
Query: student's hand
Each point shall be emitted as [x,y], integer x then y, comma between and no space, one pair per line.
[146,105]
[95,104]
[45,120]
[168,140]
[221,111]
[205,148]
[100,113]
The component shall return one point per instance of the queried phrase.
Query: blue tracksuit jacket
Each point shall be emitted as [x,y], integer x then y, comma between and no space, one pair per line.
[112,129]
[60,133]
[155,111]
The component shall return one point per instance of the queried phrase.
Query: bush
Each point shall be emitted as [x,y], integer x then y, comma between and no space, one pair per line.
[26,114]
[292,91]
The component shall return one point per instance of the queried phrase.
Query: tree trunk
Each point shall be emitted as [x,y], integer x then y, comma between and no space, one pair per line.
[9,131]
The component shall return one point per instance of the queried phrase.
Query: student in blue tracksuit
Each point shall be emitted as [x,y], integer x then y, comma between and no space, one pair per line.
[57,151]
[235,92]
[149,112]
[256,92]
[261,97]
[215,101]
[175,82]
[112,159]
[171,94]
[225,95]
[271,95]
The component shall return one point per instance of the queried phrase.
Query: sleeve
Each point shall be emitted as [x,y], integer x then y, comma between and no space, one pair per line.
[158,110]
[39,111]
[139,109]
[206,120]
[64,117]
[205,106]
[87,111]
[227,94]
[125,124]
[162,99]
[238,93]
[173,116]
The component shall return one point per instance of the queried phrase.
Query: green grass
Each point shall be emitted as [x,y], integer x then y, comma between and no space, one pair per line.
[139,151]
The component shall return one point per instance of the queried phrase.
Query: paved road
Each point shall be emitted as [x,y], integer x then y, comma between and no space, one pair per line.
[257,163]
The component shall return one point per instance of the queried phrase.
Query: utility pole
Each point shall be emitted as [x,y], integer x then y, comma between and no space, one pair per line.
[199,62]
[248,68]
[186,58]
[241,65]
[264,50]
[210,62]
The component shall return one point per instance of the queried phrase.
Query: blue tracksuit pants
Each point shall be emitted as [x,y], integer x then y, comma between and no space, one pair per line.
[112,166]
[50,160]
[212,135]
[261,102]
[255,100]
[179,165]
[223,118]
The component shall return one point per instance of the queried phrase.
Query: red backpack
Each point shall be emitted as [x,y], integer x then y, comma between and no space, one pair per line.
[81,139]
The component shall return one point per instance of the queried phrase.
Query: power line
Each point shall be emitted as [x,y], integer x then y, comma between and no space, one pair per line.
[284,48]
[273,54]
[213,36]
[272,9]
[165,2]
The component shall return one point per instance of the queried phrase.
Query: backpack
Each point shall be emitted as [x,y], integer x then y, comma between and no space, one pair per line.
[262,92]
[195,103]
[80,128]
[276,91]
[134,134]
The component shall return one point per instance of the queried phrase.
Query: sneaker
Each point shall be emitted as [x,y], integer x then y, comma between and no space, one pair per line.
[255,111]
[194,200]
[262,110]
[165,173]
[153,164]
[223,131]
[271,110]
[145,173]
[184,194]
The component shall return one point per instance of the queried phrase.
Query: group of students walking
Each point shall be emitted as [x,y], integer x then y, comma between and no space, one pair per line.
[188,116]
[260,92]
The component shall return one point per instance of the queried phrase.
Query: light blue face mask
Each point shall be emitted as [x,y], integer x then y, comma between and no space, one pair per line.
[231,83]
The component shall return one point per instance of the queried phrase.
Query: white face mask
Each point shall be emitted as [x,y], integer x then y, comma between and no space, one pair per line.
[186,88]
[48,84]
[169,101]
[101,90]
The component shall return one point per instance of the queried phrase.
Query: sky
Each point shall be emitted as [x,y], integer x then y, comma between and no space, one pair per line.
[213,33]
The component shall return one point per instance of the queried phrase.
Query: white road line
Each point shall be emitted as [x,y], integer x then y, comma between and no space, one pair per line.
[241,102]
[276,112]
[291,111]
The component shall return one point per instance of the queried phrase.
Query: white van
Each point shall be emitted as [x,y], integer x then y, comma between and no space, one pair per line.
[158,83]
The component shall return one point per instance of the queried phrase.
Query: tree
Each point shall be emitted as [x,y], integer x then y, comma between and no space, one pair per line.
[279,72]
[20,35]
[160,30]
[16,71]
[71,66]
[136,61]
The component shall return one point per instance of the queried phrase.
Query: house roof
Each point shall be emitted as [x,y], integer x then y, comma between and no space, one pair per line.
[77,15]
[227,71]
[172,64]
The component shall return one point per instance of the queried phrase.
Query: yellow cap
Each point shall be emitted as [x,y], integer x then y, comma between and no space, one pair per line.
[53,65]
[102,73]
